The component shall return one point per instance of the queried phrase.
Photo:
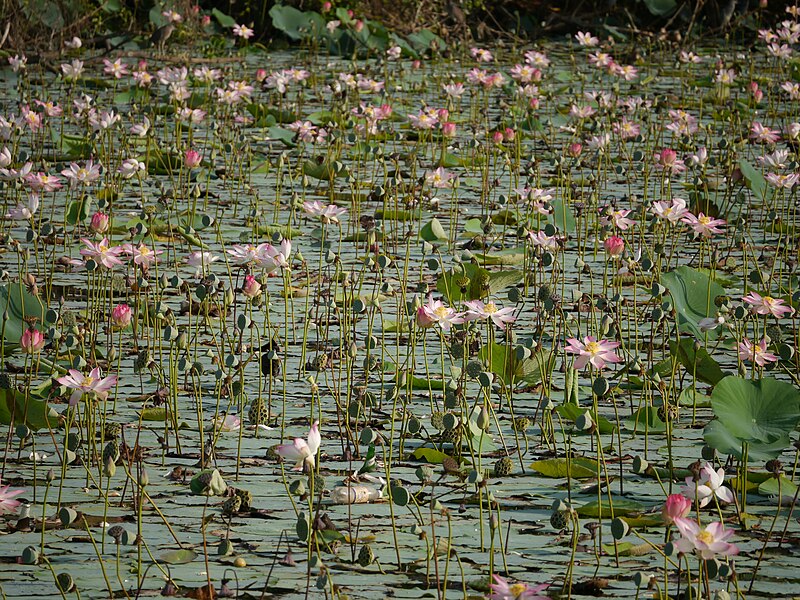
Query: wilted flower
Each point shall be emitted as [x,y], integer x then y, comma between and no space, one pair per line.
[301,451]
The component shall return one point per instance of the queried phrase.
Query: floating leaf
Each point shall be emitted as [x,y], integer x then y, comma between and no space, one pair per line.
[20,304]
[618,507]
[573,411]
[429,455]
[178,557]
[578,468]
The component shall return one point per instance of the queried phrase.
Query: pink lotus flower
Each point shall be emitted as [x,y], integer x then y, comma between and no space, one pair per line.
[31,341]
[302,451]
[24,211]
[618,219]
[200,260]
[672,212]
[761,134]
[614,246]
[442,178]
[142,255]
[767,305]
[710,485]
[7,502]
[101,253]
[499,316]
[591,351]
[329,213]
[100,222]
[438,313]
[251,287]
[667,160]
[586,39]
[243,31]
[192,158]
[82,175]
[501,589]
[121,315]
[756,353]
[707,543]
[677,506]
[703,225]
[93,383]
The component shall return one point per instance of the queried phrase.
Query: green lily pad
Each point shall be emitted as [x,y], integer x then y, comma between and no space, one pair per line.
[693,295]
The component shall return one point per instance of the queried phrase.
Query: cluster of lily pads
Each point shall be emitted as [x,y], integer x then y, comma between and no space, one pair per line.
[535,304]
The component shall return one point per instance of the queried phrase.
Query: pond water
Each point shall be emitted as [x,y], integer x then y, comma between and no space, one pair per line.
[528,210]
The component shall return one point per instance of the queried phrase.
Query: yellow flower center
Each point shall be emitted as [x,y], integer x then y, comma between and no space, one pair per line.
[82,173]
[517,589]
[103,249]
[704,220]
[490,308]
[706,537]
[88,381]
[768,300]
[592,348]
[441,311]
[144,250]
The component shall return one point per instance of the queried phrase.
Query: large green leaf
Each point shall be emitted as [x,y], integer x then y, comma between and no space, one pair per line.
[504,363]
[693,295]
[754,179]
[19,304]
[660,8]
[696,362]
[296,24]
[758,413]
[36,414]
[562,216]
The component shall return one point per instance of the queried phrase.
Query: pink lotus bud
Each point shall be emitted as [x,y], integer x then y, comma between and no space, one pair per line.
[614,246]
[497,137]
[666,157]
[359,25]
[416,64]
[32,340]
[424,320]
[251,288]
[448,129]
[141,65]
[350,13]
[442,114]
[326,7]
[758,96]
[574,150]
[195,10]
[205,21]
[676,506]
[121,315]
[534,103]
[192,158]
[261,75]
[509,134]
[100,222]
